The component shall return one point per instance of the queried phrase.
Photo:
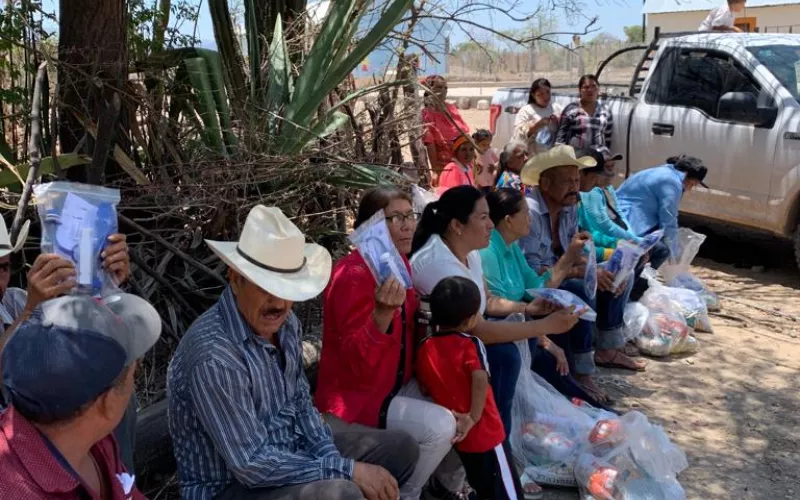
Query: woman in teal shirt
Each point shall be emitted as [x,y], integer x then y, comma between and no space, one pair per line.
[508,275]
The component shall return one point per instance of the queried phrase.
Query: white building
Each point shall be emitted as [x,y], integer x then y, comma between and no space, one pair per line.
[764,16]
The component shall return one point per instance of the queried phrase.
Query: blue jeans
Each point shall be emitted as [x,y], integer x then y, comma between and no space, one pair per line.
[577,343]
[544,364]
[505,363]
[659,254]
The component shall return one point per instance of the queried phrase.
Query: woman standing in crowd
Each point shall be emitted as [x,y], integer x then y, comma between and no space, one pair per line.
[587,123]
[366,365]
[459,171]
[537,122]
[509,276]
[440,129]
[512,159]
[446,243]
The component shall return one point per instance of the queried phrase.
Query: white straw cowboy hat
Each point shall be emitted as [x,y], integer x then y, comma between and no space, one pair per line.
[557,156]
[273,254]
[5,239]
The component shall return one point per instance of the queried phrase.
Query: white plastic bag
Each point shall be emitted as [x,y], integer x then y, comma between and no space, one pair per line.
[664,333]
[565,299]
[634,319]
[546,428]
[685,302]
[590,275]
[629,458]
[374,243]
[77,220]
[623,261]
[421,197]
[678,272]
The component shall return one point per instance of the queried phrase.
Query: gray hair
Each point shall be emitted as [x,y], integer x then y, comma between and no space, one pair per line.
[512,146]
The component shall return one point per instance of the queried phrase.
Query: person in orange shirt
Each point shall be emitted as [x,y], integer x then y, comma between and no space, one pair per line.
[459,171]
[443,122]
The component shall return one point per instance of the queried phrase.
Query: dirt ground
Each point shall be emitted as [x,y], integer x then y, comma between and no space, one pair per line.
[734,407]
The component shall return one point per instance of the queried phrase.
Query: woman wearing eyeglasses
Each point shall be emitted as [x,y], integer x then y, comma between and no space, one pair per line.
[587,123]
[365,370]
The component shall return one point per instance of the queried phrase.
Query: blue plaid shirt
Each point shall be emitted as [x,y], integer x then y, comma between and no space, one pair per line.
[238,413]
[538,245]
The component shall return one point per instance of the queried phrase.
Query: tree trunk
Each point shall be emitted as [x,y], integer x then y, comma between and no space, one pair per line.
[93,61]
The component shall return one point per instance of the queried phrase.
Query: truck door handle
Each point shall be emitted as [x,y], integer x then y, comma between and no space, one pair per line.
[791,136]
[663,129]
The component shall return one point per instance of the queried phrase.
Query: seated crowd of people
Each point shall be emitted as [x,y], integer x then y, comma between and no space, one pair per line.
[415,384]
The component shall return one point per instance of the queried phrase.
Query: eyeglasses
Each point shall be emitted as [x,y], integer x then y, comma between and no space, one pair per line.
[400,219]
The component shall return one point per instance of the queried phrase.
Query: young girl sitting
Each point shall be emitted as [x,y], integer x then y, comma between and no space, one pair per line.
[452,367]
[486,163]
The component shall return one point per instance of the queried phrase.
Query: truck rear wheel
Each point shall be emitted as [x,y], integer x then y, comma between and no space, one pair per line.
[796,245]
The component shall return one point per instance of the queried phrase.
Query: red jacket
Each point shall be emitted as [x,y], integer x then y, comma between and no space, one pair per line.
[361,368]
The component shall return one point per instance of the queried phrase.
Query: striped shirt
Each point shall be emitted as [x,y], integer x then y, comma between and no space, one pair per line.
[580,130]
[240,413]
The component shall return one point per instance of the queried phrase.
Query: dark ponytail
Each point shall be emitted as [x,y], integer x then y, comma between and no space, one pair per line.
[456,203]
[504,202]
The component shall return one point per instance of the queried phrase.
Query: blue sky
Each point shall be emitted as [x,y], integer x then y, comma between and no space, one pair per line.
[613,16]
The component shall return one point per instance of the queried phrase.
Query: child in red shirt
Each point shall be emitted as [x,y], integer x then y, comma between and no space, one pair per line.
[452,367]
[459,171]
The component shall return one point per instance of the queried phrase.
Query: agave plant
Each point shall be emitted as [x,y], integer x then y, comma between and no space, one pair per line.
[265,85]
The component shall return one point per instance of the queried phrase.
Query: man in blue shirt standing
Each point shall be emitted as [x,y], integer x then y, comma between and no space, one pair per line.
[240,410]
[649,199]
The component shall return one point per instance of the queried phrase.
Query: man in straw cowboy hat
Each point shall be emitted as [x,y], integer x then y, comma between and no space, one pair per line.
[52,276]
[240,410]
[554,223]
[68,396]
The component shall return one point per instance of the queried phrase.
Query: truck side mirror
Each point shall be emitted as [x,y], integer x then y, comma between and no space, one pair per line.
[742,107]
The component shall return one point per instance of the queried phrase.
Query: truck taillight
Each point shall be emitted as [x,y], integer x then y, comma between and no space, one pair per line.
[494,114]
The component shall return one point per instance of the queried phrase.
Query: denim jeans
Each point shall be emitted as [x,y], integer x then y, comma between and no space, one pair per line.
[504,365]
[610,310]
[544,364]
[659,254]
[577,343]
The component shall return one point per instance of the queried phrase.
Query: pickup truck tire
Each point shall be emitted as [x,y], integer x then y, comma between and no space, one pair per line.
[796,246]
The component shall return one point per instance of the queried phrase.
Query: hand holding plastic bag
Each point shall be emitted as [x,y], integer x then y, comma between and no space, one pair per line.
[374,243]
[623,262]
[77,220]
[648,242]
[564,299]
[590,275]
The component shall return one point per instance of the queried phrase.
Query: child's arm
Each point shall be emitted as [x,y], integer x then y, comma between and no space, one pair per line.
[465,421]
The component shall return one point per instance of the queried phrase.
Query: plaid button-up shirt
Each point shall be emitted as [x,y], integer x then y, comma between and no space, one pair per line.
[579,130]
[538,244]
[240,413]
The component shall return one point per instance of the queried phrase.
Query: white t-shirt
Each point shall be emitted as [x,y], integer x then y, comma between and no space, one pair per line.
[531,114]
[721,16]
[434,262]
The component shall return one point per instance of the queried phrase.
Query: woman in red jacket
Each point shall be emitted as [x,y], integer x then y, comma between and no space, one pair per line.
[365,369]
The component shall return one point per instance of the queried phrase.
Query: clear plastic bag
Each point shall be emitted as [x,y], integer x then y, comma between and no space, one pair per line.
[374,243]
[634,319]
[623,261]
[678,272]
[629,458]
[648,242]
[685,302]
[77,220]
[564,299]
[664,333]
[421,197]
[590,275]
[546,428]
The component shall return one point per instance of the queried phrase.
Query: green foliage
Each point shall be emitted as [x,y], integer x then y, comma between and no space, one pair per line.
[634,34]
[143,33]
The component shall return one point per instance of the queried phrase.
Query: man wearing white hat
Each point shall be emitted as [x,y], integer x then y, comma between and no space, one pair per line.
[554,222]
[241,416]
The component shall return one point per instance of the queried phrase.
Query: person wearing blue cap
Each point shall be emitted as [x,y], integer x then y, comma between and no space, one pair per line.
[69,378]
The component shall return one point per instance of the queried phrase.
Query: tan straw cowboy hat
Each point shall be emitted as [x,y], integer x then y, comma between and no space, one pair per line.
[557,156]
[5,240]
[273,254]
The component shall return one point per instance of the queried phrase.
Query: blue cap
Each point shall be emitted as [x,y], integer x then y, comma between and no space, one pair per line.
[82,345]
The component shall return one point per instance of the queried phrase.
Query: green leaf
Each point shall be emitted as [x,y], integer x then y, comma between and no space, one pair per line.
[324,128]
[305,103]
[231,52]
[46,167]
[364,176]
[317,64]
[201,82]
[253,49]
[279,90]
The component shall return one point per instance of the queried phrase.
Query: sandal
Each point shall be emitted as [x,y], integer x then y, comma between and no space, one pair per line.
[532,491]
[621,360]
[631,350]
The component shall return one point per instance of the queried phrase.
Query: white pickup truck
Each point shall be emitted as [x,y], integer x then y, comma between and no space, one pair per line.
[729,99]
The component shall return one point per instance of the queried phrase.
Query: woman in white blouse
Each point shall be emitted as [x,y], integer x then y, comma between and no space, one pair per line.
[537,121]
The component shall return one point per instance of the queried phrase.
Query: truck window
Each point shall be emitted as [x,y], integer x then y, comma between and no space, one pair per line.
[783,61]
[698,78]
